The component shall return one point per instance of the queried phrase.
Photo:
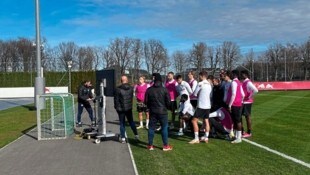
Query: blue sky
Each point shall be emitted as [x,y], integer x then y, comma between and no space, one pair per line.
[177,23]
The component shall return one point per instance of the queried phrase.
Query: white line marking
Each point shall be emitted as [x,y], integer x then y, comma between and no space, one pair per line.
[278,153]
[131,156]
[132,159]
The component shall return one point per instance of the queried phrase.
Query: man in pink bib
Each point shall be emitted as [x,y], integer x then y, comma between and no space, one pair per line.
[249,90]
[171,85]
[234,100]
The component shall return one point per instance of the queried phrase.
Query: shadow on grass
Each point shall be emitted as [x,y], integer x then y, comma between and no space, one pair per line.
[29,107]
[30,132]
[137,143]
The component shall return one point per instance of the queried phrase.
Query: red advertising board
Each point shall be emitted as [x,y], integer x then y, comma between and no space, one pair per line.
[281,85]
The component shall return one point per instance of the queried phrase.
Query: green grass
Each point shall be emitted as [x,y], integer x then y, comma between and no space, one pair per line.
[281,121]
[14,122]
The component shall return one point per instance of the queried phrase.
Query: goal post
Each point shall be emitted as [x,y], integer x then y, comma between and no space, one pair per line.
[55,116]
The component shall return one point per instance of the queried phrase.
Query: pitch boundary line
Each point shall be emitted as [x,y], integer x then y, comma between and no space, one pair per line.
[287,96]
[132,159]
[131,156]
[278,153]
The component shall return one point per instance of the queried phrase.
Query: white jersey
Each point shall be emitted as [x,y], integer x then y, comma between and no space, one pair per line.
[186,107]
[184,88]
[203,92]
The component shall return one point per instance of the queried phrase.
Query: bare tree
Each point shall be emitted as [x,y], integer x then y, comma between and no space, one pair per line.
[155,55]
[10,60]
[51,61]
[121,49]
[179,59]
[137,58]
[98,57]
[305,58]
[273,55]
[86,58]
[5,59]
[2,53]
[249,58]
[291,57]
[198,55]
[108,59]
[261,67]
[230,54]
[67,52]
[214,56]
[25,51]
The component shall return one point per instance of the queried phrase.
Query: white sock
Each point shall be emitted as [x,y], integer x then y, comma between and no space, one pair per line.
[184,125]
[147,122]
[181,130]
[196,136]
[207,134]
[141,123]
[238,134]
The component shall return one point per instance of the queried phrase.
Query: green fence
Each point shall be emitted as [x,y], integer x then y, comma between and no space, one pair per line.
[27,79]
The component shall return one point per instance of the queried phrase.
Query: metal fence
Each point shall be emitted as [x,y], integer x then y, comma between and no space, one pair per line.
[55,116]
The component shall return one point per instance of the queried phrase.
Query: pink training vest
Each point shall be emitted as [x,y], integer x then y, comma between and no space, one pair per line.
[247,94]
[192,96]
[227,121]
[238,98]
[171,87]
[140,91]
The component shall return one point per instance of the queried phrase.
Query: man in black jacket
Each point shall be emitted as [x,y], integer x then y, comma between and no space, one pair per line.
[123,105]
[157,100]
[84,97]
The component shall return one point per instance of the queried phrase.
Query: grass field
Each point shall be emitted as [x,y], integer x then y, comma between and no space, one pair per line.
[281,121]
[14,122]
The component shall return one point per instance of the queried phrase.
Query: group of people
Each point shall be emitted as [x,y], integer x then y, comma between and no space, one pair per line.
[218,103]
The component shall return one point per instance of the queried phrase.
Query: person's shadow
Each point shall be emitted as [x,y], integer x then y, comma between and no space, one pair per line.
[137,143]
[30,107]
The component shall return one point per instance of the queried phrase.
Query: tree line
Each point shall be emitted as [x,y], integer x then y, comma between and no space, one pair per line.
[18,55]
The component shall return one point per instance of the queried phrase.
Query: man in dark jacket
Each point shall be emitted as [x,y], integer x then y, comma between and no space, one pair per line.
[157,100]
[123,105]
[84,97]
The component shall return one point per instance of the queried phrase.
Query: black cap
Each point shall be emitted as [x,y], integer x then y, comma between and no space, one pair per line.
[157,77]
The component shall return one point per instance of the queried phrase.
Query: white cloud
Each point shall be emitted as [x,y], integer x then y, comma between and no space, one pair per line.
[245,22]
[83,22]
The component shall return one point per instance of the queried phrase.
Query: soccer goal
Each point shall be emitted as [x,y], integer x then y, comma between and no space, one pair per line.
[55,116]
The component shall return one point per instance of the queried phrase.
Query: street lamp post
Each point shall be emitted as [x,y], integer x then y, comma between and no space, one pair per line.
[252,69]
[69,69]
[284,64]
[39,81]
[267,78]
